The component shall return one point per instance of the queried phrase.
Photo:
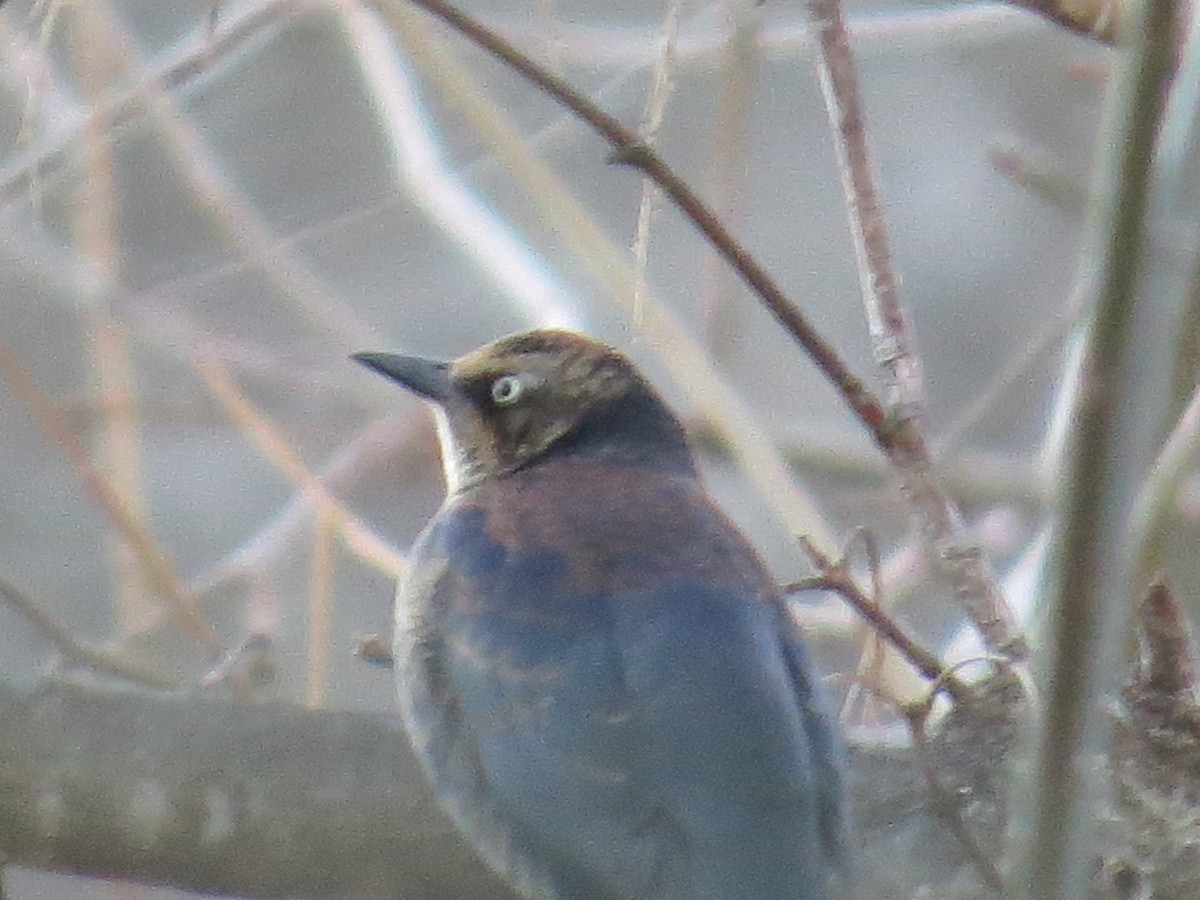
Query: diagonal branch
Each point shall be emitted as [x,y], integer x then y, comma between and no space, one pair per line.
[160,571]
[630,150]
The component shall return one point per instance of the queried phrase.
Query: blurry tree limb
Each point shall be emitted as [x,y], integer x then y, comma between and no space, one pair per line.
[1117,422]
[160,571]
[1097,19]
[269,800]
[254,800]
[266,800]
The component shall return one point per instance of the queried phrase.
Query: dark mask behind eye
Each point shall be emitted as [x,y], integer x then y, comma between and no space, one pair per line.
[634,428]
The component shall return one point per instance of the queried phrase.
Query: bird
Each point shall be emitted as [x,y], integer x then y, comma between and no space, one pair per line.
[601,680]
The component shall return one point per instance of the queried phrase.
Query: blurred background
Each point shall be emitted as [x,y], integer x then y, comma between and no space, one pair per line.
[204,208]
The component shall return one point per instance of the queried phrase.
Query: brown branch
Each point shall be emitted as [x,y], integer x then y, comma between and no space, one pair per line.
[262,800]
[74,651]
[159,570]
[895,348]
[271,800]
[835,576]
[628,149]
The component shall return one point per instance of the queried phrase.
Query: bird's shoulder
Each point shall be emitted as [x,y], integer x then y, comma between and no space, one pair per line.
[599,525]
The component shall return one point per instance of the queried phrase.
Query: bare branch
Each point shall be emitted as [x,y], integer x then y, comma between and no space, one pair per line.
[836,577]
[888,321]
[258,800]
[961,559]
[159,570]
[73,651]
[628,149]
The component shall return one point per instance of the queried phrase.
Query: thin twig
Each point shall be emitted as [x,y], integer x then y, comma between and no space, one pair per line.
[887,319]
[835,576]
[159,570]
[628,149]
[946,805]
[895,349]
[72,650]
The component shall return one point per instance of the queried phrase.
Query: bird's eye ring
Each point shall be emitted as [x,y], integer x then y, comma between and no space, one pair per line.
[507,389]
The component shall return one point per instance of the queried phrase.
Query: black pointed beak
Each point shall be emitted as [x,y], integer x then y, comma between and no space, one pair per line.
[427,377]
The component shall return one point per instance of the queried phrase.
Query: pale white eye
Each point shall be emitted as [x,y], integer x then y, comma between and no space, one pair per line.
[507,389]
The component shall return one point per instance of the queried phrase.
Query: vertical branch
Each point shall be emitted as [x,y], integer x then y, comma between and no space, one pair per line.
[960,558]
[741,60]
[1119,411]
[96,225]
[319,599]
[1175,274]
[656,105]
[887,320]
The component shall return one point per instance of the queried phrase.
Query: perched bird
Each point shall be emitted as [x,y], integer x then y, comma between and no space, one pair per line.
[595,669]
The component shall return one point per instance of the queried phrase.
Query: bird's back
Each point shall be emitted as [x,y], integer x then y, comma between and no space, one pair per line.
[608,694]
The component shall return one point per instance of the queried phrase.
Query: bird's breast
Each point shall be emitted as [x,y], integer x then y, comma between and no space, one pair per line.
[596,654]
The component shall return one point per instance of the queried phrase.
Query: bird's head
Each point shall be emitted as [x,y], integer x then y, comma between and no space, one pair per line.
[518,400]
